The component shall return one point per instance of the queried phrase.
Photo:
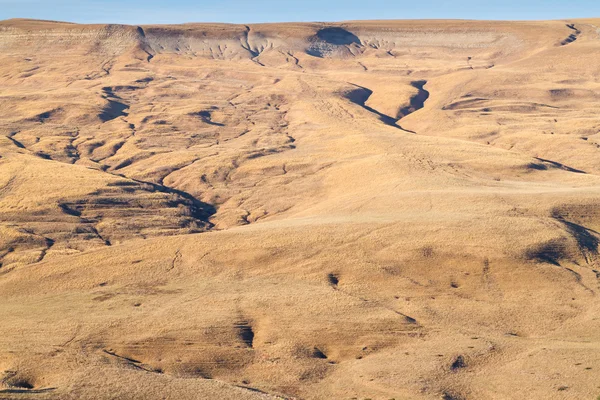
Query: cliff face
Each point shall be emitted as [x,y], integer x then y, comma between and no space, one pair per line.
[336,40]
[368,209]
[55,37]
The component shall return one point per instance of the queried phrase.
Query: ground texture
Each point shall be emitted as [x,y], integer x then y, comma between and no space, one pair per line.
[381,210]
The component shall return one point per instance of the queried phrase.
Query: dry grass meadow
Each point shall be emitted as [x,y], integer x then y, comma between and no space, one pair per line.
[361,210]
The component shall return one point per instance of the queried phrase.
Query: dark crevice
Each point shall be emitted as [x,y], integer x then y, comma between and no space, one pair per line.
[537,167]
[361,95]
[246,333]
[43,156]
[206,117]
[132,362]
[175,260]
[246,45]
[550,252]
[114,109]
[123,164]
[558,165]
[451,396]
[585,239]
[112,353]
[408,319]
[553,251]
[22,384]
[27,391]
[417,101]
[18,383]
[144,45]
[99,236]
[43,117]
[67,209]
[16,142]
[572,37]
[458,363]
[49,244]
[255,390]
[317,353]
[333,280]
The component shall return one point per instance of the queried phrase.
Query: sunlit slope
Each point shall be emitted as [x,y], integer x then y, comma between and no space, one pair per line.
[398,209]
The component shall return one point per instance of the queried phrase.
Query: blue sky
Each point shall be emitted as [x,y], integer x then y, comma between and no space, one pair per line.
[249,11]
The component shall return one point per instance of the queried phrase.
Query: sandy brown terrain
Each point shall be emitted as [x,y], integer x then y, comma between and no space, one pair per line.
[362,210]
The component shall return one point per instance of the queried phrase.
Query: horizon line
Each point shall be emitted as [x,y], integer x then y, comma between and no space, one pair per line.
[297,22]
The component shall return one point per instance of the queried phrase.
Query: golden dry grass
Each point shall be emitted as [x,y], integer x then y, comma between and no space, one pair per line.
[398,209]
